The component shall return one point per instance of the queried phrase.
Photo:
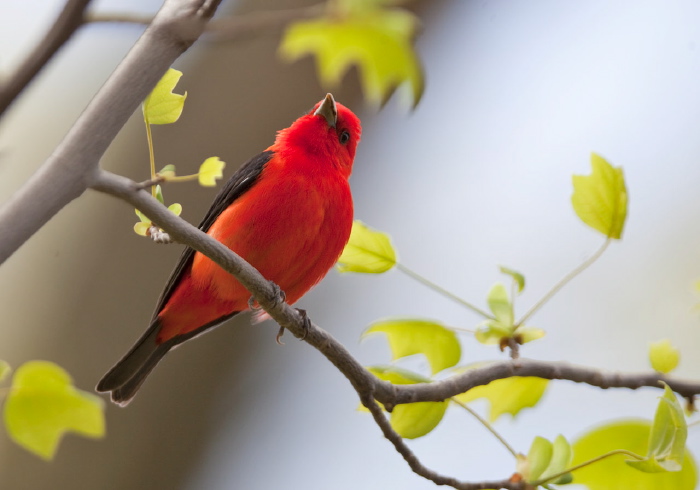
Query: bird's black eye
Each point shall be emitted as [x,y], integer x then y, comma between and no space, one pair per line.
[344,137]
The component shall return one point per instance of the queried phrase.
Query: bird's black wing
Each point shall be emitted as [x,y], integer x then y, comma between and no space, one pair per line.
[242,180]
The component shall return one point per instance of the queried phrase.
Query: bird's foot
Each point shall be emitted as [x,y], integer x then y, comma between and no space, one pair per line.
[278,296]
[306,323]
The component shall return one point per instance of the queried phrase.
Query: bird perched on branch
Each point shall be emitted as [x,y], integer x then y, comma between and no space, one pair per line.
[288,211]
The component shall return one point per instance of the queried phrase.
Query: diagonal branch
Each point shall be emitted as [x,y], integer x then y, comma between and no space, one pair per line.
[67,172]
[62,29]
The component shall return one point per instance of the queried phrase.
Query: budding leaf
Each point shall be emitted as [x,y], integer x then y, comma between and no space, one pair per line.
[210,171]
[610,474]
[367,251]
[663,356]
[379,41]
[666,438]
[410,336]
[600,199]
[167,172]
[517,277]
[162,106]
[43,404]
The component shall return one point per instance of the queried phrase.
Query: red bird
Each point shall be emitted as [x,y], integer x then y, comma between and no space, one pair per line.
[288,212]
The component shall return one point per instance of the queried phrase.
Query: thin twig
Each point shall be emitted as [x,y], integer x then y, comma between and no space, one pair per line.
[441,290]
[589,462]
[62,29]
[488,426]
[563,282]
[414,462]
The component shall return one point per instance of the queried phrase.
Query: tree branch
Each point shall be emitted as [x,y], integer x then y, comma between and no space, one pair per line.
[68,171]
[62,29]
[368,386]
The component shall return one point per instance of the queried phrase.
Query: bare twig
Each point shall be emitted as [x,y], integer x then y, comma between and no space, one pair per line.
[68,21]
[227,28]
[418,467]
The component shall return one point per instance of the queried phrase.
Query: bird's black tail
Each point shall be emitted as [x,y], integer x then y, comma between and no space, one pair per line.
[127,376]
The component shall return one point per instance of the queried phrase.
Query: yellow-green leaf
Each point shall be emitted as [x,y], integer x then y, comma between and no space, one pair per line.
[508,395]
[560,461]
[142,228]
[412,420]
[43,404]
[159,194]
[600,199]
[368,250]
[410,336]
[142,217]
[491,332]
[500,304]
[210,171]
[162,106]
[538,458]
[167,172]
[528,334]
[611,474]
[663,356]
[517,277]
[666,438]
[378,41]
[175,208]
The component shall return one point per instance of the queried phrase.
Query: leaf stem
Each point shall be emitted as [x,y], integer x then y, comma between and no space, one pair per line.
[441,290]
[564,281]
[488,426]
[586,463]
[151,155]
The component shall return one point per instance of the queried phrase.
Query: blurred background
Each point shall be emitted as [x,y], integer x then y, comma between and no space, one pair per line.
[518,94]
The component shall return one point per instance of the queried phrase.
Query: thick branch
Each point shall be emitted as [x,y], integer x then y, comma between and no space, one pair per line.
[63,28]
[69,170]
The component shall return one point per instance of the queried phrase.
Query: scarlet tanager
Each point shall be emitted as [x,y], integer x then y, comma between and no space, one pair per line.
[288,211]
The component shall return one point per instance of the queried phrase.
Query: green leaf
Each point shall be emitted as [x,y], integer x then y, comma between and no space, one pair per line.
[663,356]
[167,172]
[500,304]
[508,395]
[142,217]
[43,404]
[667,437]
[528,334]
[142,228]
[411,336]
[369,251]
[412,420]
[538,459]
[491,332]
[600,199]
[210,171]
[561,460]
[162,106]
[611,474]
[517,277]
[4,370]
[159,194]
[378,41]
[175,208]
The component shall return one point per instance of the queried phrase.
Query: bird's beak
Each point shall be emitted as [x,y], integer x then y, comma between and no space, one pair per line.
[328,110]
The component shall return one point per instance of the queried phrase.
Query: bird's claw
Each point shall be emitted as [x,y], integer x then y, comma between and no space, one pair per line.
[306,323]
[278,296]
